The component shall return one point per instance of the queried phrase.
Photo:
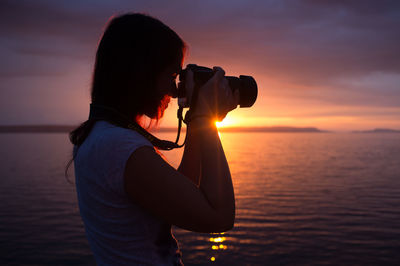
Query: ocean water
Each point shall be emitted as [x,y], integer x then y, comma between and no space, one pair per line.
[301,198]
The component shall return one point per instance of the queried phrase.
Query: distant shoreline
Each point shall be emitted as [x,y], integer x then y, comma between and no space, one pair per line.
[69,128]
[273,129]
[378,130]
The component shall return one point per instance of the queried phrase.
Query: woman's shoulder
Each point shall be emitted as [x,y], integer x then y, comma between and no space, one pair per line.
[109,131]
[107,134]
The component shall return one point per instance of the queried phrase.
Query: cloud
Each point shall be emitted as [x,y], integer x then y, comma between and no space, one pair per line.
[339,53]
[35,19]
[310,40]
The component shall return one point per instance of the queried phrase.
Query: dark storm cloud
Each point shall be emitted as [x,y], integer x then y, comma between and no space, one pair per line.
[311,40]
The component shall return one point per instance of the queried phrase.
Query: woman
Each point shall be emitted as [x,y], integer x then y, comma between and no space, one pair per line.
[128,195]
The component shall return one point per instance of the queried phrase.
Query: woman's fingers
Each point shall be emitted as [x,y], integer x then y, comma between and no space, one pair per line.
[228,100]
[231,98]
[218,76]
[216,95]
[231,102]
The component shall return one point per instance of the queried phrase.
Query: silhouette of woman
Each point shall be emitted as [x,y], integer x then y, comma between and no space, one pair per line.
[128,195]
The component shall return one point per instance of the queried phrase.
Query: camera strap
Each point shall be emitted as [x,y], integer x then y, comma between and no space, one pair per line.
[101,112]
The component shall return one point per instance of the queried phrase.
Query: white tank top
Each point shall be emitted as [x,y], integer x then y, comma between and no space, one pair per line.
[119,231]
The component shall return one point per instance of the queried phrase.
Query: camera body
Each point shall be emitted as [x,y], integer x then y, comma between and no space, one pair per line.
[246,85]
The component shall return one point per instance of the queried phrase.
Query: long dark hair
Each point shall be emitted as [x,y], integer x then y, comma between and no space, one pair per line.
[133,51]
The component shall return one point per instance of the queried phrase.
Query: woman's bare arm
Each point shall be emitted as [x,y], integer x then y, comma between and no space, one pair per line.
[204,162]
[198,197]
[156,186]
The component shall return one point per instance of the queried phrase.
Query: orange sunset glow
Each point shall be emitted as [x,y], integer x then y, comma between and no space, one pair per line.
[230,122]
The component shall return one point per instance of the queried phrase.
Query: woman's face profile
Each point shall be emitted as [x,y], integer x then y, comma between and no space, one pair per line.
[166,82]
[165,85]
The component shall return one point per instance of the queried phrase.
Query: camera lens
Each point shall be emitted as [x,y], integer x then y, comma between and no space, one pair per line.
[249,91]
[247,87]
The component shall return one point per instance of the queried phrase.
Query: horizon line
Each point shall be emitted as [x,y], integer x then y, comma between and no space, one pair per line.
[54,128]
[67,128]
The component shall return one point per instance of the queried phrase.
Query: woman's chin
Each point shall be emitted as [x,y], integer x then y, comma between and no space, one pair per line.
[161,112]
[158,112]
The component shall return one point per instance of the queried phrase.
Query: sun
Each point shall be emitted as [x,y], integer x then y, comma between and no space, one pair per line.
[227,122]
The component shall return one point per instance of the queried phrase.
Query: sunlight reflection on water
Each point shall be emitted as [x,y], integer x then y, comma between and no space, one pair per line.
[302,198]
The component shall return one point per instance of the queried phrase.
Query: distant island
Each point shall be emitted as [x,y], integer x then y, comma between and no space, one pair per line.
[271,129]
[68,128]
[378,130]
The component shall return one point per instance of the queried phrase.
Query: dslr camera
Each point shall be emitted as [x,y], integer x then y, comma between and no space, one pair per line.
[246,85]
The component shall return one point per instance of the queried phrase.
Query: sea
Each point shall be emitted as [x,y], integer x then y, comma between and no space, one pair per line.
[301,199]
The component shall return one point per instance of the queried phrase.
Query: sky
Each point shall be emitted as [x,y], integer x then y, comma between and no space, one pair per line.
[334,65]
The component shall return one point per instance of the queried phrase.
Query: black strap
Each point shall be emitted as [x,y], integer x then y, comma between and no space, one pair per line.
[101,112]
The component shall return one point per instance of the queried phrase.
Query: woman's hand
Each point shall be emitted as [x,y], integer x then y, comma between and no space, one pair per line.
[215,98]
